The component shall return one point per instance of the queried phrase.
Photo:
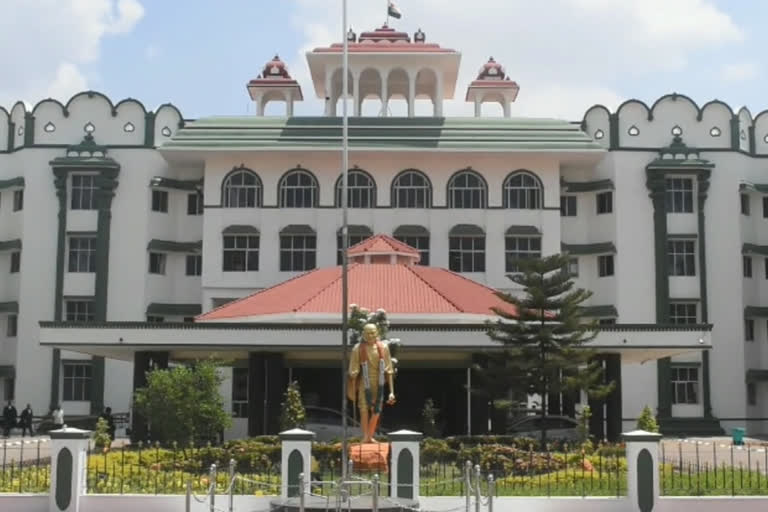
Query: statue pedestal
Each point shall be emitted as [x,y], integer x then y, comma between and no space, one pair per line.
[369,457]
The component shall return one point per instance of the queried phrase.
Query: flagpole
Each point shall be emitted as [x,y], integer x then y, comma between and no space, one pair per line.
[345,240]
[386,23]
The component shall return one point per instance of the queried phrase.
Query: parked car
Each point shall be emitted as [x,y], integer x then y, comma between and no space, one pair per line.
[326,424]
[558,427]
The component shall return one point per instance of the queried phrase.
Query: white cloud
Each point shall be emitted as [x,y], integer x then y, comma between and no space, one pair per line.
[739,71]
[51,41]
[565,54]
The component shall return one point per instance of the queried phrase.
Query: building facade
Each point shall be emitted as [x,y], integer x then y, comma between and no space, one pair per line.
[112,214]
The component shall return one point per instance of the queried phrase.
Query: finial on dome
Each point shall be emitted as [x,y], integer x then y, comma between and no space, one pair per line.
[351,36]
[419,36]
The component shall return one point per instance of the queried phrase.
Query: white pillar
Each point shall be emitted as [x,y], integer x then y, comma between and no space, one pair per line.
[404,446]
[296,458]
[69,448]
[328,92]
[384,96]
[411,95]
[505,105]
[439,96]
[356,94]
[642,449]
[260,106]
[478,108]
[289,104]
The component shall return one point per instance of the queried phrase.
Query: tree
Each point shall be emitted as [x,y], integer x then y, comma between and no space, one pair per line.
[647,421]
[544,339]
[101,439]
[184,404]
[429,414]
[293,414]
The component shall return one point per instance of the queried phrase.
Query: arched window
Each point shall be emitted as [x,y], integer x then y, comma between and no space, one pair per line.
[298,189]
[361,190]
[241,189]
[467,189]
[411,189]
[522,190]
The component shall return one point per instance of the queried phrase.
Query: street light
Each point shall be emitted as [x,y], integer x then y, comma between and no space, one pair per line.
[344,238]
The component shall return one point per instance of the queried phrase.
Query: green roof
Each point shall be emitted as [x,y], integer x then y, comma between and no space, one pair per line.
[381,134]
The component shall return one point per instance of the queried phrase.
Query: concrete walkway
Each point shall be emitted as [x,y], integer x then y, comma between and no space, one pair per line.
[710,450]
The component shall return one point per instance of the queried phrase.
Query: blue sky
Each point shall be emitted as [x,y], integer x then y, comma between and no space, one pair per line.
[565,54]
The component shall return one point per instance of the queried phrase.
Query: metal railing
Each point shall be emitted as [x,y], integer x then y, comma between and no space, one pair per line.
[23,468]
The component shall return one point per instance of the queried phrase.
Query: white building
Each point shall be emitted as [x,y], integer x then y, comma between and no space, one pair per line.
[116,216]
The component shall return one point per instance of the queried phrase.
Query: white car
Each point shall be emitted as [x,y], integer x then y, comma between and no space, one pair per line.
[558,427]
[326,424]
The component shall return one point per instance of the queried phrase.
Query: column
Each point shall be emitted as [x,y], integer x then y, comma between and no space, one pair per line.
[296,458]
[702,178]
[69,447]
[356,94]
[597,406]
[613,403]
[60,182]
[260,106]
[478,106]
[411,94]
[643,488]
[328,92]
[439,96]
[384,96]
[404,450]
[505,106]
[266,385]
[144,362]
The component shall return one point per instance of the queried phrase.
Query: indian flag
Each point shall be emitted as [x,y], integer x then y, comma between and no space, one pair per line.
[393,11]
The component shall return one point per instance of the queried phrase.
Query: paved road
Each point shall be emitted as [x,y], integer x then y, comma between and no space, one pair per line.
[753,454]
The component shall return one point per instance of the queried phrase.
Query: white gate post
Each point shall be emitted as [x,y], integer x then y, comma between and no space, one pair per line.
[69,463]
[404,446]
[296,459]
[642,451]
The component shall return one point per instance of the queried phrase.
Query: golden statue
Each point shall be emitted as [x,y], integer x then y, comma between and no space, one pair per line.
[369,365]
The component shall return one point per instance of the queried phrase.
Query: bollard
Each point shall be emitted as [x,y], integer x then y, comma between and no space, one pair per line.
[375,507]
[231,485]
[302,494]
[478,495]
[350,468]
[491,492]
[212,491]
[468,484]
[69,447]
[188,499]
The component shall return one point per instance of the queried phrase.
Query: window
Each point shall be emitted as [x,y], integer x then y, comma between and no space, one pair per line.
[765,206]
[518,248]
[83,192]
[241,254]
[683,312]
[16,262]
[155,319]
[567,206]
[157,263]
[241,189]
[77,381]
[354,238]
[9,389]
[522,190]
[240,392]
[194,265]
[18,200]
[685,384]
[606,321]
[420,242]
[195,204]
[573,267]
[160,201]
[12,328]
[681,257]
[747,266]
[189,319]
[298,189]
[79,311]
[411,189]
[749,329]
[361,190]
[466,189]
[466,253]
[751,393]
[679,195]
[82,254]
[297,252]
[744,204]
[604,202]
[605,265]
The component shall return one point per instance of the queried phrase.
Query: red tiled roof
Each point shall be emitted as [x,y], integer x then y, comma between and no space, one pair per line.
[382,244]
[395,288]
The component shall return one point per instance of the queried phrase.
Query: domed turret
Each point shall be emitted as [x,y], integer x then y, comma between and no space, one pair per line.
[492,85]
[275,68]
[274,84]
[491,70]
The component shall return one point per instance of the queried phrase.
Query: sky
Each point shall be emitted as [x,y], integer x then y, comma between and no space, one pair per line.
[566,55]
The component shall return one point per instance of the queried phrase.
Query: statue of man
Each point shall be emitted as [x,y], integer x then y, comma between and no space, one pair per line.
[370,363]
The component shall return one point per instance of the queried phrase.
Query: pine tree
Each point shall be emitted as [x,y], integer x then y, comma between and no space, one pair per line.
[544,341]
[293,414]
[647,421]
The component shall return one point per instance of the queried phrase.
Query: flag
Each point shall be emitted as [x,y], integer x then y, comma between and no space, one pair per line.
[393,11]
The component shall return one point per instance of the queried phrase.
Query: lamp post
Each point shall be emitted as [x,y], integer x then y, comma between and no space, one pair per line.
[345,239]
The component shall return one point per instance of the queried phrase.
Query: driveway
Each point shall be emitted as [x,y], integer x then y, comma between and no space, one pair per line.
[753,454]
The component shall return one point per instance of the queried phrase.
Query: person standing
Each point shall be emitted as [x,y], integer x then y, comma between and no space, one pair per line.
[58,417]
[25,421]
[9,418]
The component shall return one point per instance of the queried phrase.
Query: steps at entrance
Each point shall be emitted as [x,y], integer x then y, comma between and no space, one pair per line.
[690,427]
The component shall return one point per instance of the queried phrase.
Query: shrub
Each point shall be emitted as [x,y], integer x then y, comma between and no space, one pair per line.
[429,419]
[293,414]
[647,421]
[101,437]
